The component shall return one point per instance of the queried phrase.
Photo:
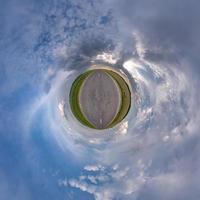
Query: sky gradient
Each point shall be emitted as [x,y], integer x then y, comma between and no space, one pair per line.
[153,154]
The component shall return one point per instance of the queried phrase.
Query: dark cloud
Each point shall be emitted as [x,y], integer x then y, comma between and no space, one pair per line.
[170,28]
[85,51]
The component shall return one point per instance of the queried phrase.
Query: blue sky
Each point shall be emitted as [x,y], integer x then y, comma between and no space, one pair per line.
[45,153]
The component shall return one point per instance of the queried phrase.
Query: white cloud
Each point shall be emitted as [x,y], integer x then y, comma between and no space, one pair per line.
[93,168]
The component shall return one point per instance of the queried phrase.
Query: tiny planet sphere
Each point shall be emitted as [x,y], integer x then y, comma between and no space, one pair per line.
[100,98]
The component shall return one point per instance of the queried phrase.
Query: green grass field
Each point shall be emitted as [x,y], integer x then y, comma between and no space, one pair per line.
[125,98]
[74,100]
[125,95]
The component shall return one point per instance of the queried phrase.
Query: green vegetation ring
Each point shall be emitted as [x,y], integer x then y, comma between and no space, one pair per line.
[100,98]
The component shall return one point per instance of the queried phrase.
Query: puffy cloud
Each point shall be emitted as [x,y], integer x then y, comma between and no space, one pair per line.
[158,161]
[93,167]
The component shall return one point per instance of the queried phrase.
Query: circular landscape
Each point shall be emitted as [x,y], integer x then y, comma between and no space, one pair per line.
[100,98]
